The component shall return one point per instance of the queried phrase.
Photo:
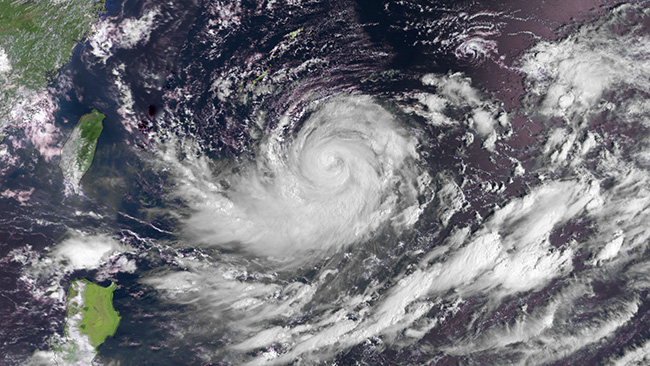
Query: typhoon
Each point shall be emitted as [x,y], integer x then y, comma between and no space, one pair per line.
[349,171]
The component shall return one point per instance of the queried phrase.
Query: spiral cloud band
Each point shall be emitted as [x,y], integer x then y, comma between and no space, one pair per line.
[349,171]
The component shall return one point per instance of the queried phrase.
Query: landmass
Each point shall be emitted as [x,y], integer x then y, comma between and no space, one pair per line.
[90,319]
[79,150]
[100,320]
[38,37]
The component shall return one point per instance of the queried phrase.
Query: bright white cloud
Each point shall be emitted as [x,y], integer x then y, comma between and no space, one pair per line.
[81,251]
[574,74]
[5,65]
[107,35]
[349,171]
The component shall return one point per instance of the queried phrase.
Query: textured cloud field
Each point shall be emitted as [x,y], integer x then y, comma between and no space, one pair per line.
[564,264]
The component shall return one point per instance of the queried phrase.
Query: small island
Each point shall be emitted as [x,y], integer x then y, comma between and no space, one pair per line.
[79,150]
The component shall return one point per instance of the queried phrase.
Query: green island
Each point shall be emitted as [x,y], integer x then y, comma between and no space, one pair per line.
[99,319]
[90,318]
[39,36]
[91,127]
[78,151]
[295,33]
